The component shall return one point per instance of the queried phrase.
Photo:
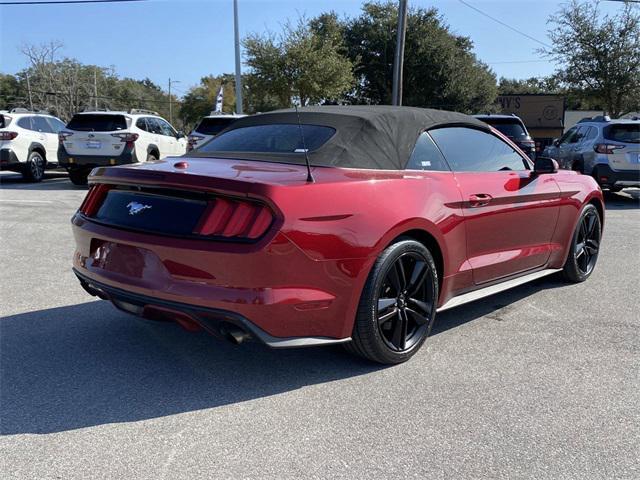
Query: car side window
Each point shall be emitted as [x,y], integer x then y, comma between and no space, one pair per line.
[567,136]
[578,136]
[473,150]
[426,156]
[141,123]
[591,134]
[154,126]
[166,128]
[55,124]
[25,122]
[40,124]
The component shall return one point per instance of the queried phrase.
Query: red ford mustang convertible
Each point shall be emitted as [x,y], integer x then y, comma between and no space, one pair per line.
[349,225]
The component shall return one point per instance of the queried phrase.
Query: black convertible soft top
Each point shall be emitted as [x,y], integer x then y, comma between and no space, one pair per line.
[374,137]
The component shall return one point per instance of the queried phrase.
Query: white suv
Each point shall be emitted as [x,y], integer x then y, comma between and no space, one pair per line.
[93,139]
[28,142]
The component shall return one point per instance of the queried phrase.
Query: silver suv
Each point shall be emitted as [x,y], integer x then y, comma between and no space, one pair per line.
[608,150]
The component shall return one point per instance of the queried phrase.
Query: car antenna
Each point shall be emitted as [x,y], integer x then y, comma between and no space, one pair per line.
[304,147]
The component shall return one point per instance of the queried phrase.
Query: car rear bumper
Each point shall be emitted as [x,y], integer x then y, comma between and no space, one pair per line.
[67,160]
[215,321]
[274,291]
[9,160]
[606,177]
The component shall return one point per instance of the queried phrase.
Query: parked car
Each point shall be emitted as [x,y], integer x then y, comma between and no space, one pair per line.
[514,128]
[103,138]
[348,225]
[208,127]
[28,142]
[608,150]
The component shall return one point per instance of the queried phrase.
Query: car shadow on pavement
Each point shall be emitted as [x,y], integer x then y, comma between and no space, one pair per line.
[52,181]
[89,364]
[628,199]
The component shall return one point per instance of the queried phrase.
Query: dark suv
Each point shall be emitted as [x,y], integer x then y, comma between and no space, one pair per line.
[514,128]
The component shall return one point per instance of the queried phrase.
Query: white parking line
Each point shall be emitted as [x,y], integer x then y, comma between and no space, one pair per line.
[24,201]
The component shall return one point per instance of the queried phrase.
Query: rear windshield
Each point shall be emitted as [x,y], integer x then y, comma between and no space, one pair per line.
[213,126]
[510,128]
[4,121]
[627,133]
[273,138]
[90,122]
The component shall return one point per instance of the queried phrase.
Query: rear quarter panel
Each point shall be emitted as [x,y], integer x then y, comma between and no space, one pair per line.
[351,214]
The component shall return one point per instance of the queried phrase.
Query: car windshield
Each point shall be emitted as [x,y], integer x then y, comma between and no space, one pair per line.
[90,122]
[272,138]
[213,126]
[627,133]
[510,128]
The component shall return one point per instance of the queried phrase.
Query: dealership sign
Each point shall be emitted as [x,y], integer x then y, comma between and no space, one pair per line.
[536,111]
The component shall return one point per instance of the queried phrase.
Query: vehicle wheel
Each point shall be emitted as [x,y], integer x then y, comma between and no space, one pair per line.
[398,304]
[78,176]
[152,157]
[33,170]
[585,246]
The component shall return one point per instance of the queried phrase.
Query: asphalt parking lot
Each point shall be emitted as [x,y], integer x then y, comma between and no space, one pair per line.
[542,381]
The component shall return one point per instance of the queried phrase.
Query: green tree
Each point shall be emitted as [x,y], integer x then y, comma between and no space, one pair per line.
[598,54]
[11,93]
[299,65]
[201,99]
[440,68]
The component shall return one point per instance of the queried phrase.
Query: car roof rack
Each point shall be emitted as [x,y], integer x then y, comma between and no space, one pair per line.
[134,111]
[597,118]
[26,110]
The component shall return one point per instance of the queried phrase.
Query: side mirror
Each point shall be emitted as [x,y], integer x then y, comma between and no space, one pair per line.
[556,142]
[180,135]
[543,165]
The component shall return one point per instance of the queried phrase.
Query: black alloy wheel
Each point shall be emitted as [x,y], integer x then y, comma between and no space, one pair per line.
[585,246]
[398,304]
[404,303]
[34,168]
[588,242]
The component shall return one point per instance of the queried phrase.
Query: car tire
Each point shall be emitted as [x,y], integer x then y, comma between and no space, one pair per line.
[584,247]
[151,157]
[397,306]
[78,176]
[33,170]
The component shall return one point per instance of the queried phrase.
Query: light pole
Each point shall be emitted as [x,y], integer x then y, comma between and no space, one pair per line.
[170,102]
[236,34]
[398,59]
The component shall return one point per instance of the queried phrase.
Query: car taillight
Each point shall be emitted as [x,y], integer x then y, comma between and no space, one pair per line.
[8,135]
[94,199]
[63,135]
[193,141]
[606,148]
[128,138]
[234,219]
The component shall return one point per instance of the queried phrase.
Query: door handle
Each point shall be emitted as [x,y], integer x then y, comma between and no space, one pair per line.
[480,199]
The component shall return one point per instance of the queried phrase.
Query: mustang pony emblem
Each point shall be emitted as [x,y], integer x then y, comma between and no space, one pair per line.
[135,207]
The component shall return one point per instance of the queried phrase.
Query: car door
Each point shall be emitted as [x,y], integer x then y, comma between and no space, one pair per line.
[509,214]
[155,135]
[170,137]
[565,147]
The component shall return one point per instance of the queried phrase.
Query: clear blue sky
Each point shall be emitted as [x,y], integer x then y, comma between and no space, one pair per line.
[187,39]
